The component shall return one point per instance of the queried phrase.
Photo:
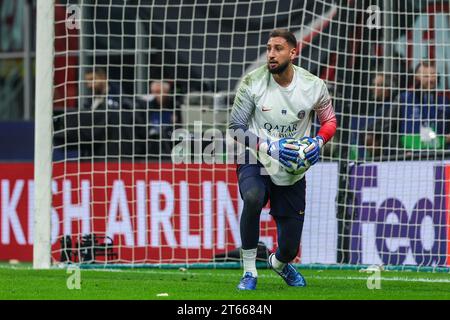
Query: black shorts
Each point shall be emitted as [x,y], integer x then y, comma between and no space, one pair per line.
[285,201]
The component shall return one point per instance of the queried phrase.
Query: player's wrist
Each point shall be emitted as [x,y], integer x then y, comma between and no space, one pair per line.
[320,141]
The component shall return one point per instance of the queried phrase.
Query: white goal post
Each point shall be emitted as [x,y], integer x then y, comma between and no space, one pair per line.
[43,133]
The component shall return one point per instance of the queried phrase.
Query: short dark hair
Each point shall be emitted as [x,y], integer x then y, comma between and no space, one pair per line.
[389,79]
[286,34]
[426,64]
[97,70]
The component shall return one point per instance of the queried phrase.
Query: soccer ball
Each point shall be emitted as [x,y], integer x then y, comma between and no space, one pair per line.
[302,164]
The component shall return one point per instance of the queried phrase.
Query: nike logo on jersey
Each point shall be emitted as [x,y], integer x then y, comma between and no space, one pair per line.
[266,109]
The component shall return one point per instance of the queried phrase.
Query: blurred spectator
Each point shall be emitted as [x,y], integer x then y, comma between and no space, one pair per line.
[102,93]
[162,118]
[366,128]
[160,105]
[104,128]
[383,93]
[420,118]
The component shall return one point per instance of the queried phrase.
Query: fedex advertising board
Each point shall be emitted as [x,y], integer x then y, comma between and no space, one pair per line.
[401,213]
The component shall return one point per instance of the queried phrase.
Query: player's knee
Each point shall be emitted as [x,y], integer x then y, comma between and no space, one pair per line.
[254,198]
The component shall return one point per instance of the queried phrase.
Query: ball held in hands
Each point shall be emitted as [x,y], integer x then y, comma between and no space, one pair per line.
[312,152]
[284,150]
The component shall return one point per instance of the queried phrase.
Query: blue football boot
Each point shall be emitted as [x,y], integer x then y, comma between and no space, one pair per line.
[248,282]
[289,274]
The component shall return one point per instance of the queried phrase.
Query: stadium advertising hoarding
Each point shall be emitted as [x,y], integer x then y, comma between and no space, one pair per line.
[183,214]
[402,213]
[154,213]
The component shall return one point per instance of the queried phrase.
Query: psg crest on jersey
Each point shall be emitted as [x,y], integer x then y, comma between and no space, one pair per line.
[301,114]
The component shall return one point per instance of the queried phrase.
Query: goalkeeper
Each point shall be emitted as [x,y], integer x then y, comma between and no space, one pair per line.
[275,104]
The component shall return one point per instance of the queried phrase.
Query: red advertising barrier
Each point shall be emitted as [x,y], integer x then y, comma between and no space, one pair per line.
[153,212]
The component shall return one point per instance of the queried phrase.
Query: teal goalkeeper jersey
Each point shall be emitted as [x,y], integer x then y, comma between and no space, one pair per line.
[272,111]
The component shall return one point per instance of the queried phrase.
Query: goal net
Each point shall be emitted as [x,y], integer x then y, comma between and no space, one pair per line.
[140,97]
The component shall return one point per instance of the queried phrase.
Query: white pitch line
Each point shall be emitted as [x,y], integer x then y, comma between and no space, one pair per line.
[386,279]
[187,273]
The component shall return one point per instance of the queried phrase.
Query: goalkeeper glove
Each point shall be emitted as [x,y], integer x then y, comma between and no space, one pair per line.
[312,152]
[282,150]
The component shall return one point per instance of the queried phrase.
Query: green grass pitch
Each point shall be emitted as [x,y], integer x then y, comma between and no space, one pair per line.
[24,283]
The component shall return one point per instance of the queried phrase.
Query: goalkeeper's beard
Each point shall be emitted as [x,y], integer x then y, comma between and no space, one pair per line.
[280,69]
